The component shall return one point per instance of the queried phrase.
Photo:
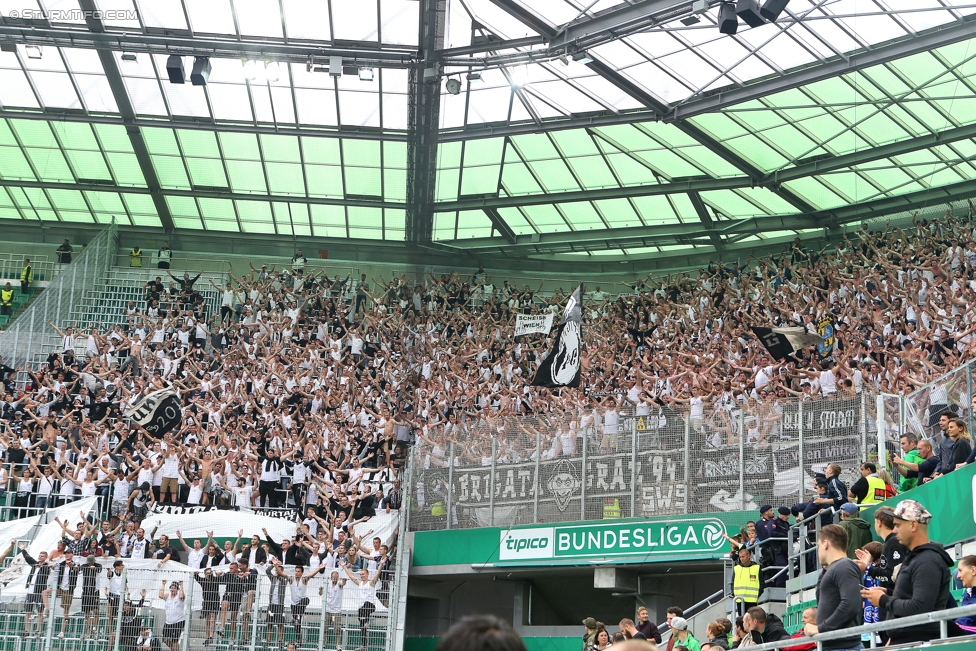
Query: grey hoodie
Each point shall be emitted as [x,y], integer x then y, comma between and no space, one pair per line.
[922,586]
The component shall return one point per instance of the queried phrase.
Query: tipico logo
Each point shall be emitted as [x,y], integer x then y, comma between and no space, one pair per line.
[522,544]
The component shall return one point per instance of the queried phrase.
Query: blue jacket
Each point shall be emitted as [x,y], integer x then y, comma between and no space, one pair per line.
[968,624]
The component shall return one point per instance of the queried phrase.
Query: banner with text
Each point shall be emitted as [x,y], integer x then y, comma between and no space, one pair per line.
[527,324]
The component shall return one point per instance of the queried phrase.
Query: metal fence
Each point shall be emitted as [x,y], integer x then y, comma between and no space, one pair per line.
[93,607]
[574,466]
[30,331]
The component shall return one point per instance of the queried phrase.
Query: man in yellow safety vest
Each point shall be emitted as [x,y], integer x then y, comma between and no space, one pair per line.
[745,581]
[6,300]
[26,277]
[869,489]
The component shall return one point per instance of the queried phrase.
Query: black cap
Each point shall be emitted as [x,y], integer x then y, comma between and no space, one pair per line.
[784,510]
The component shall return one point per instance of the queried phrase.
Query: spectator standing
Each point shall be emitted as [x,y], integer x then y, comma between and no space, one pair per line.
[764,627]
[838,591]
[746,584]
[858,530]
[64,252]
[892,555]
[922,584]
[967,576]
[26,277]
[163,256]
[924,469]
[175,613]
[679,629]
[6,300]
[628,629]
[589,633]
[646,626]
[870,488]
[673,612]
[135,257]
[298,261]
[910,454]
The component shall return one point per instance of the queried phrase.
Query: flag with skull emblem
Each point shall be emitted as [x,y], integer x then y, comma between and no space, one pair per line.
[561,368]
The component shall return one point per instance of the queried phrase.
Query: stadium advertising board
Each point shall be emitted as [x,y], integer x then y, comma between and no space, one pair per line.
[695,536]
[645,540]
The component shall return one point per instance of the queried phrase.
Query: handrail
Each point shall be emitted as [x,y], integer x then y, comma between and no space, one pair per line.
[706,602]
[887,625]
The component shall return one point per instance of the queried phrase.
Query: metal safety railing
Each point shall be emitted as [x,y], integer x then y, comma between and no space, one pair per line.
[30,331]
[942,617]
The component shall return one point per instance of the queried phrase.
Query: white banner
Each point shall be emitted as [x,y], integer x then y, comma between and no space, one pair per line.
[526,324]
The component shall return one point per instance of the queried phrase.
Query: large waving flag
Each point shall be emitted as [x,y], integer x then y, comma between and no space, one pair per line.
[561,368]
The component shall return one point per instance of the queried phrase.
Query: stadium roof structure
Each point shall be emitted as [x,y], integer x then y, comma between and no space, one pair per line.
[599,130]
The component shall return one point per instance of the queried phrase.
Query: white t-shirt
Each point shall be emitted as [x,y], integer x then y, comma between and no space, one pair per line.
[175,611]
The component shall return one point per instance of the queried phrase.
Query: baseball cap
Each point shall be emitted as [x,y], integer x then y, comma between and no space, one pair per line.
[589,622]
[679,624]
[849,507]
[911,511]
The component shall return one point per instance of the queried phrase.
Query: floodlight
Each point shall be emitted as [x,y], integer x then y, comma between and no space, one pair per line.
[453,86]
[728,22]
[34,51]
[748,11]
[273,71]
[128,56]
[366,74]
[771,9]
[174,67]
[201,71]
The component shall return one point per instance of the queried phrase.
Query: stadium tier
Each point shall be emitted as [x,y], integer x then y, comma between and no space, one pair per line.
[487,325]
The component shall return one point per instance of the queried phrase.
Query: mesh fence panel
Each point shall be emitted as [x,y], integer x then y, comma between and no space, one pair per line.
[949,394]
[661,482]
[563,467]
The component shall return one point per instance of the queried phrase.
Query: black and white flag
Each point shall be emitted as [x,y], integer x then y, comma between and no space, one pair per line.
[783,342]
[561,368]
[157,413]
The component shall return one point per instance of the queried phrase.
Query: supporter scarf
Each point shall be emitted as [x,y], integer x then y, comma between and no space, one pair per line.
[562,366]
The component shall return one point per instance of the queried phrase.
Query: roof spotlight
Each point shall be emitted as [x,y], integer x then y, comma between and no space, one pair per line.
[365,74]
[771,9]
[273,71]
[728,22]
[453,86]
[33,51]
[128,56]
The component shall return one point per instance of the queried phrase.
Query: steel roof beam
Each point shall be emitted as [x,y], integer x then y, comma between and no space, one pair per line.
[229,47]
[961,30]
[203,194]
[114,77]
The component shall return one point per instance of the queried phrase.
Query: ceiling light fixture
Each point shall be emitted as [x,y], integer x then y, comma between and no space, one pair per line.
[254,70]
[728,22]
[474,76]
[272,71]
[748,11]
[201,71]
[335,66]
[34,51]
[771,9]
[175,70]
[366,74]
[582,57]
[128,56]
